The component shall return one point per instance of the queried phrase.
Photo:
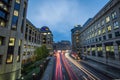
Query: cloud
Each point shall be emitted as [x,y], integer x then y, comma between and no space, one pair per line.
[54,13]
[61,15]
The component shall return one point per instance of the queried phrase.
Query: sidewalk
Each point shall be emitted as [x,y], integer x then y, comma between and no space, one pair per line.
[113,63]
[110,71]
[48,74]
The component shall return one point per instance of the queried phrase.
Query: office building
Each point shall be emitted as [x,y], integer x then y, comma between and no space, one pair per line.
[46,37]
[12,29]
[32,40]
[63,45]
[100,39]
[75,38]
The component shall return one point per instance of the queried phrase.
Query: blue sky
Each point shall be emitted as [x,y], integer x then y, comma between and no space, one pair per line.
[62,15]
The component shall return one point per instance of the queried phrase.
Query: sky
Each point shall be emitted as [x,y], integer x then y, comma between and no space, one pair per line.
[62,15]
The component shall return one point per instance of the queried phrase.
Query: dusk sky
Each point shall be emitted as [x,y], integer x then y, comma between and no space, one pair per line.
[62,15]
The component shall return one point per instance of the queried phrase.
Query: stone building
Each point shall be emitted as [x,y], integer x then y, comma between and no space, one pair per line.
[100,38]
[32,40]
[12,29]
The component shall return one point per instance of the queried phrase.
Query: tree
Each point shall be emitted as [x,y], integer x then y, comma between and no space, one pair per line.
[41,52]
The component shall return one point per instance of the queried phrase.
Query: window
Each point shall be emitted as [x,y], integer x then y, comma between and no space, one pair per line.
[109,28]
[15,13]
[117,34]
[2,23]
[18,1]
[114,15]
[110,48]
[99,48]
[103,30]
[3,6]
[3,14]
[9,58]
[99,32]
[1,59]
[103,22]
[14,23]
[12,42]
[109,36]
[99,38]
[2,40]
[104,37]
[115,25]
[107,19]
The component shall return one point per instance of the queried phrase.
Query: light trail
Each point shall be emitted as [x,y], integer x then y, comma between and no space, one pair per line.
[89,74]
[69,70]
[58,71]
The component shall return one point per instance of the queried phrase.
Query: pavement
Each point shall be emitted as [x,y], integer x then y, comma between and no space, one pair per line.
[110,62]
[48,74]
[109,70]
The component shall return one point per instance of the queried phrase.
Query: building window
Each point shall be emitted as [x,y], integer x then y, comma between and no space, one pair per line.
[117,34]
[114,15]
[99,38]
[2,23]
[3,14]
[110,48]
[18,1]
[10,51]
[14,22]
[103,30]
[103,22]
[99,32]
[104,37]
[115,25]
[15,13]
[1,59]
[12,42]
[109,28]
[2,40]
[107,19]
[9,58]
[109,36]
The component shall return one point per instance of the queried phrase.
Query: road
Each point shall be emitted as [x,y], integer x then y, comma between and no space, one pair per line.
[85,71]
[63,70]
[66,68]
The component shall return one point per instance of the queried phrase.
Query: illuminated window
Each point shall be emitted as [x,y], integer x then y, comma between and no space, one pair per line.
[115,25]
[99,32]
[103,30]
[119,47]
[49,33]
[12,42]
[15,13]
[9,58]
[2,23]
[1,4]
[107,19]
[18,58]
[18,1]
[109,28]
[99,48]
[19,42]
[93,48]
[44,33]
[110,48]
[114,15]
